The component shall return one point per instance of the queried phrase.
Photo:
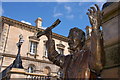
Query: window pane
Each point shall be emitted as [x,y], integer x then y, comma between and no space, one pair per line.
[30,69]
[33,47]
[61,51]
[30,46]
[45,50]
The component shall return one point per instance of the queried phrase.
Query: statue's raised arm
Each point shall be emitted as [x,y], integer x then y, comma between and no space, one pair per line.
[53,55]
[97,48]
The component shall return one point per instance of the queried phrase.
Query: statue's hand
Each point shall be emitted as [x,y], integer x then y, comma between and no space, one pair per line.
[95,17]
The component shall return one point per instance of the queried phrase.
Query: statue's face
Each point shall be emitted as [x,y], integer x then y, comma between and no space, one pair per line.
[74,40]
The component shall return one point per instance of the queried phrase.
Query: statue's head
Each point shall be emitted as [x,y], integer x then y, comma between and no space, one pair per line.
[76,38]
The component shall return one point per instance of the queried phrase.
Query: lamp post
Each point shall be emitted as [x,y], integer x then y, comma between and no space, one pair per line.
[20,43]
[18,61]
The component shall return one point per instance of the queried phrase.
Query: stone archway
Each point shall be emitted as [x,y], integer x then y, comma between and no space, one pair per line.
[31,68]
[47,70]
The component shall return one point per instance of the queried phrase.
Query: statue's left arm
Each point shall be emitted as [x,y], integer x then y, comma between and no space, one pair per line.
[97,48]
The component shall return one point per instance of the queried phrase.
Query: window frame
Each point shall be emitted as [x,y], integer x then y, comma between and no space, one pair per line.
[35,40]
[45,54]
[33,47]
[32,67]
[60,50]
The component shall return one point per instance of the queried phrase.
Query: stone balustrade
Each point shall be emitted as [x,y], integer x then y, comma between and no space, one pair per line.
[20,74]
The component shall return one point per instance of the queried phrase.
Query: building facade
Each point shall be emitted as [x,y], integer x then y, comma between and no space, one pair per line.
[33,51]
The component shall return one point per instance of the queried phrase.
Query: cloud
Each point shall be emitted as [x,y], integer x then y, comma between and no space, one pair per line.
[70,16]
[64,11]
[57,14]
[68,8]
[68,11]
[80,3]
[26,22]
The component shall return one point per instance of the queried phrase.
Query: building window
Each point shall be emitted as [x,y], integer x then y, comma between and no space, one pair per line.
[60,73]
[33,47]
[60,48]
[47,70]
[45,54]
[60,51]
[45,51]
[31,68]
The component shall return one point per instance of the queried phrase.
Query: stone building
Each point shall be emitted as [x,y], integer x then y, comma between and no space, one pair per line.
[110,26]
[33,50]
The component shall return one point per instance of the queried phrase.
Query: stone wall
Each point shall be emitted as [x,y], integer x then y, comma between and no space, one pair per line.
[111,41]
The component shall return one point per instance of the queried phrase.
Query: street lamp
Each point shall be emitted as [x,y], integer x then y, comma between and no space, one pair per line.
[20,42]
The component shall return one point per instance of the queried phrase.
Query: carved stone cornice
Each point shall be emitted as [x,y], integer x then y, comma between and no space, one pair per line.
[25,58]
[60,37]
[34,37]
[30,27]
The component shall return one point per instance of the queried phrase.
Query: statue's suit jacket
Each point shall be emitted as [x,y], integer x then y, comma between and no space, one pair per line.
[74,67]
[88,59]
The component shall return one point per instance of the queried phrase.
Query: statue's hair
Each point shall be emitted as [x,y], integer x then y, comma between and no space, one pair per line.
[80,32]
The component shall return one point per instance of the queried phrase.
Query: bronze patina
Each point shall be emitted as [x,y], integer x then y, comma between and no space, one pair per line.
[83,63]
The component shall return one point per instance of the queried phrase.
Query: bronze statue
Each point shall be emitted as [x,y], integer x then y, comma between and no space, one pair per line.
[83,63]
